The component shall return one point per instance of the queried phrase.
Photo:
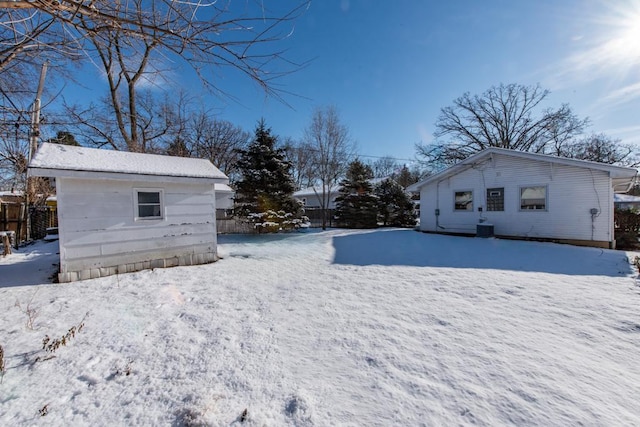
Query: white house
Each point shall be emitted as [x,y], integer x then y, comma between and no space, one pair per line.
[311,197]
[121,212]
[224,196]
[525,195]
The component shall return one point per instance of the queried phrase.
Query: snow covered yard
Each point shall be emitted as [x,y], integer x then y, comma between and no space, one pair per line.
[386,327]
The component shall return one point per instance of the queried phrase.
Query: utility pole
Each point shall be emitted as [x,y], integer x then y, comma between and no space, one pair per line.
[35,114]
[33,143]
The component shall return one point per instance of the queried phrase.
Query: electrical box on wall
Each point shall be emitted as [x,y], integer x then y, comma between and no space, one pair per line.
[594,211]
[437,212]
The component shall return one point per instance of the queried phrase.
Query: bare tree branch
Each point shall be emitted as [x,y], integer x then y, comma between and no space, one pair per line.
[504,116]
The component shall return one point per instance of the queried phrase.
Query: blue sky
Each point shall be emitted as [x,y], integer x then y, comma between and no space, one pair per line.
[389,67]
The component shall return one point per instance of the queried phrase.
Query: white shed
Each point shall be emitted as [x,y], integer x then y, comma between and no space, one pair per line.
[525,195]
[120,212]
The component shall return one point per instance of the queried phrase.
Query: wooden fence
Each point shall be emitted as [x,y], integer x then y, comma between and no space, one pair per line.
[13,217]
[233,226]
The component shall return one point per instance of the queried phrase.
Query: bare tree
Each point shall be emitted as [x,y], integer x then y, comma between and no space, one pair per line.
[328,139]
[219,141]
[384,166]
[157,121]
[14,152]
[301,156]
[604,149]
[131,40]
[505,116]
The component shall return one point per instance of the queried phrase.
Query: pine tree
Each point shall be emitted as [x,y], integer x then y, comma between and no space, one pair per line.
[395,207]
[356,206]
[264,195]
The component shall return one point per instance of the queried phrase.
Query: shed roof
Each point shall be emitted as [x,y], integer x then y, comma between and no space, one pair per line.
[65,160]
[622,176]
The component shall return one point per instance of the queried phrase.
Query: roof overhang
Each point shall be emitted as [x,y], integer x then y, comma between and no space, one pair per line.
[622,177]
[119,176]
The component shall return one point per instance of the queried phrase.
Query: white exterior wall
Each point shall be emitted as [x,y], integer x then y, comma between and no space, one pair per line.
[312,200]
[571,193]
[99,234]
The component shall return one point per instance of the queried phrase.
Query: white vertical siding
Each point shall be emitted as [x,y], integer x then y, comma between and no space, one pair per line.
[571,193]
[98,228]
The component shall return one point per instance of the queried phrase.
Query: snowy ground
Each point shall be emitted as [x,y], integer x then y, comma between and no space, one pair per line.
[356,328]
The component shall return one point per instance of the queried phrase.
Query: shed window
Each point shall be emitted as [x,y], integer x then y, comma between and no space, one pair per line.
[533,198]
[149,204]
[463,201]
[495,199]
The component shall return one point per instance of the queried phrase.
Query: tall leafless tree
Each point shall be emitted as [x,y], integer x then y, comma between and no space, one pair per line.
[158,121]
[384,166]
[132,40]
[506,116]
[328,139]
[301,157]
[219,141]
[604,149]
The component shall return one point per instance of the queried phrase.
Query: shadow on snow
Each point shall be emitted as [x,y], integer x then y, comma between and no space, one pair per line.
[410,248]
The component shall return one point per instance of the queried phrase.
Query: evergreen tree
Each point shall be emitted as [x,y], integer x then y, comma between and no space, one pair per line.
[264,195]
[405,177]
[395,207]
[65,138]
[356,206]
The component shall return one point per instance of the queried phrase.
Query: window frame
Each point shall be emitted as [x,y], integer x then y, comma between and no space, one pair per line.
[455,193]
[546,198]
[137,204]
[489,203]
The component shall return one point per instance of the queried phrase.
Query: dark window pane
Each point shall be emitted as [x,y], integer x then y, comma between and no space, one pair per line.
[148,197]
[145,211]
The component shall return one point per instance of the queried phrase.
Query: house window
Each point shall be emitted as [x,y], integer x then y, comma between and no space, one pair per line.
[149,204]
[463,201]
[495,199]
[533,198]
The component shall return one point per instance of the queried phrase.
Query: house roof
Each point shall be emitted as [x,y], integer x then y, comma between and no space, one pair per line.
[621,175]
[625,198]
[313,191]
[224,188]
[64,160]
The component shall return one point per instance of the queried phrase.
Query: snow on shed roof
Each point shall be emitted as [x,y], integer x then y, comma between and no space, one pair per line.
[57,157]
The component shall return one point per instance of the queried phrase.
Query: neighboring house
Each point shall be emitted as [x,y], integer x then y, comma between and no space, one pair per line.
[525,195]
[121,212]
[626,201]
[224,199]
[311,197]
